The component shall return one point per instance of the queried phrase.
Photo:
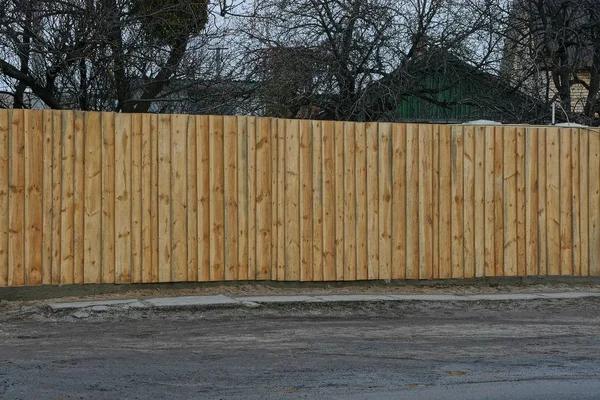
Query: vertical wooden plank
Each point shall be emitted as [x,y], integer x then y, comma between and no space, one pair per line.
[576,201]
[469,202]
[108,197]
[317,169]
[328,147]
[5,124]
[510,201]
[56,194]
[252,271]
[445,206]
[92,269]
[217,216]
[373,199]
[279,197]
[553,199]
[490,208]
[349,202]
[385,201]
[499,200]
[479,209]
[339,201]
[425,202]
[155,200]
[192,201]
[231,204]
[399,201]
[594,207]
[412,201]
[33,197]
[435,202]
[78,196]
[456,161]
[164,198]
[16,201]
[531,200]
[292,211]
[584,221]
[542,232]
[179,267]
[263,199]
[147,138]
[136,198]
[306,187]
[521,240]
[204,194]
[67,210]
[362,261]
[565,188]
[47,212]
[242,195]
[123,198]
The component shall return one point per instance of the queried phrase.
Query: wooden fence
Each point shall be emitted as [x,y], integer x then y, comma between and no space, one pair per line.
[119,198]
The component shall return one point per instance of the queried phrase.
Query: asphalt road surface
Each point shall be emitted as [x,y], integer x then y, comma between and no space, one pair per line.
[542,349]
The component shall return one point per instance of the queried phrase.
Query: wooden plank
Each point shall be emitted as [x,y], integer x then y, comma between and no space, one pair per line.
[5,125]
[217,216]
[92,267]
[565,203]
[242,196]
[47,212]
[490,207]
[412,201]
[278,137]
[521,240]
[584,221]
[306,188]
[252,271]
[108,197]
[362,261]
[479,208]
[68,209]
[123,198]
[178,162]
[531,200]
[263,199]
[339,200]
[164,198]
[385,201]
[79,130]
[16,201]
[499,200]
[469,202]
[576,201]
[445,202]
[33,197]
[147,139]
[136,198]
[328,201]
[425,202]
[279,197]
[553,199]
[204,194]
[154,200]
[542,233]
[456,167]
[510,201]
[292,211]
[231,203]
[372,200]
[594,207]
[317,169]
[435,202]
[56,194]
[349,202]
[399,201]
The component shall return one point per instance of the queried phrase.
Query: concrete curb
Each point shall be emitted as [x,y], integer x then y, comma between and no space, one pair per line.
[255,301]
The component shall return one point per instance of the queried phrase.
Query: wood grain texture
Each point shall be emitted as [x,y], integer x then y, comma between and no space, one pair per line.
[425,202]
[541,210]
[490,203]
[412,201]
[510,201]
[217,211]
[79,133]
[469,202]
[192,200]
[108,197]
[164,199]
[230,138]
[531,201]
[67,209]
[362,271]
[263,198]
[5,125]
[279,199]
[566,203]
[339,200]
[136,199]
[373,200]
[399,201]
[479,207]
[445,203]
[521,217]
[178,194]
[242,196]
[328,148]
[148,138]
[92,269]
[553,199]
[385,201]
[123,199]
[499,201]
[306,202]
[292,209]
[594,199]
[584,174]
[457,178]
[317,173]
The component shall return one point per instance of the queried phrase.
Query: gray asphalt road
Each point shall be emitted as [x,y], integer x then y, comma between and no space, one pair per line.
[502,350]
